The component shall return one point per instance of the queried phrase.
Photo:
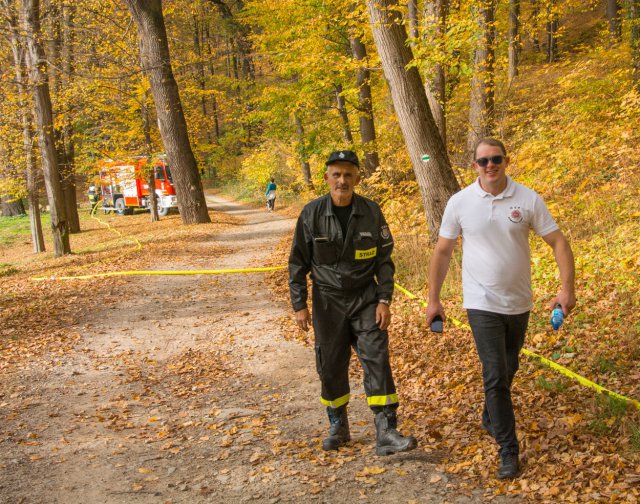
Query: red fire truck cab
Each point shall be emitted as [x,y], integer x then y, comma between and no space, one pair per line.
[125,186]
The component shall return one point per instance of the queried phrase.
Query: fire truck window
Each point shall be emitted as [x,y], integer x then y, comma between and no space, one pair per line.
[168,174]
[159,173]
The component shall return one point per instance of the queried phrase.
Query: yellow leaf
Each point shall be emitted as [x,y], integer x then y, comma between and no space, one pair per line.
[145,470]
[371,470]
[435,478]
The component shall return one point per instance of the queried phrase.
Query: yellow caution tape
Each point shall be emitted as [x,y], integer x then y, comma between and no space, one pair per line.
[161,272]
[542,360]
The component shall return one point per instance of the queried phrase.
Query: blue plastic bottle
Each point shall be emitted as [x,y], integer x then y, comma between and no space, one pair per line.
[557,317]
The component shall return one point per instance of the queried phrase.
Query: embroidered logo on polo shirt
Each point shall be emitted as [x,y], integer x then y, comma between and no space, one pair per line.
[516,215]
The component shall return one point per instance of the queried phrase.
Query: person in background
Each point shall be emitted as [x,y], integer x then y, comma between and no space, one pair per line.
[494,216]
[271,195]
[94,197]
[343,240]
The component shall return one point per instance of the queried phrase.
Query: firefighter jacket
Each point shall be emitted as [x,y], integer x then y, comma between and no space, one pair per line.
[341,264]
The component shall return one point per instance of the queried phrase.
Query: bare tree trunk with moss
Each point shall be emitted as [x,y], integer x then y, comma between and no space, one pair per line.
[365,103]
[344,116]
[44,119]
[514,38]
[156,62]
[482,101]
[18,50]
[302,152]
[428,153]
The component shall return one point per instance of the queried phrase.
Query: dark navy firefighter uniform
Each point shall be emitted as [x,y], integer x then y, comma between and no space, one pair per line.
[351,274]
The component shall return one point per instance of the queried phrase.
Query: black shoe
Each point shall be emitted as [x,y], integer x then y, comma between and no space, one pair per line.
[488,428]
[338,429]
[388,439]
[509,466]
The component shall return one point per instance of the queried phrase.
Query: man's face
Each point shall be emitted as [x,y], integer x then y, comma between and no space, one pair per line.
[342,177]
[491,174]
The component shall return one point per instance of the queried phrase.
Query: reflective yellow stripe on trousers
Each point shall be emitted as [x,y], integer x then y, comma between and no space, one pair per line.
[382,400]
[336,403]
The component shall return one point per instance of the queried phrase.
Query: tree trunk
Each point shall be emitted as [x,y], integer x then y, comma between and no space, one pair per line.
[414,32]
[44,119]
[365,105]
[552,34]
[514,38]
[344,116]
[535,21]
[11,207]
[214,103]
[156,62]
[18,51]
[66,135]
[435,177]
[634,14]
[202,83]
[146,128]
[615,26]
[302,152]
[435,88]
[482,104]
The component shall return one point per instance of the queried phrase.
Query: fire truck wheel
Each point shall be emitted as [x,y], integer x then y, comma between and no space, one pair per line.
[120,206]
[163,211]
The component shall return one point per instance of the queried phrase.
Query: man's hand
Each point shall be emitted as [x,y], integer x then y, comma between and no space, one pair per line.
[383,315]
[566,299]
[303,318]
[433,309]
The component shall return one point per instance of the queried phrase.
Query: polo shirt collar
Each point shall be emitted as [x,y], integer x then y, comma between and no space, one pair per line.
[508,190]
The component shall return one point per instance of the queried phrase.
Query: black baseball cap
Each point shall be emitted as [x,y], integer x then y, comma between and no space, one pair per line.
[343,156]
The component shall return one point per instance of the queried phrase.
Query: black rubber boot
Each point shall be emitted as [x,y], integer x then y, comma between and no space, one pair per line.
[338,429]
[389,440]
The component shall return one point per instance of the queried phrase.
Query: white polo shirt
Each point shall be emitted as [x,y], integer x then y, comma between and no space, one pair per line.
[496,258]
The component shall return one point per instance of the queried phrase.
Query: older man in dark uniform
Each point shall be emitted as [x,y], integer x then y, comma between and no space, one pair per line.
[344,241]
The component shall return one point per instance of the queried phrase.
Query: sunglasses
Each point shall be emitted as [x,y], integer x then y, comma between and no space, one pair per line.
[484,161]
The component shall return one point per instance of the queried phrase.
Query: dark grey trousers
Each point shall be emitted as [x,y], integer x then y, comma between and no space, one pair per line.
[499,339]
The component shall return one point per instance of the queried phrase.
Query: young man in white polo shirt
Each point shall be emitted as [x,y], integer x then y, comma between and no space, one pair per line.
[494,216]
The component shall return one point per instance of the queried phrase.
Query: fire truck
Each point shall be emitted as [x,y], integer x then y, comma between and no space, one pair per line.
[125,186]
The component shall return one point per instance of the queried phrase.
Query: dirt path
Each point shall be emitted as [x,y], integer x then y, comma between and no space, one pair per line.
[184,390]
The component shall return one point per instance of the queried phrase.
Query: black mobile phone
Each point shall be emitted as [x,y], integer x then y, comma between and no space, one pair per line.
[436,324]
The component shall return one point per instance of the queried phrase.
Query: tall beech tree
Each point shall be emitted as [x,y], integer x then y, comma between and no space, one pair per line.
[44,118]
[514,37]
[436,85]
[634,14]
[434,175]
[615,26]
[156,62]
[482,100]
[365,103]
[19,53]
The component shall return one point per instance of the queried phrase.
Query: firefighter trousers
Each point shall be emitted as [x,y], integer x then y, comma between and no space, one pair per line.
[342,321]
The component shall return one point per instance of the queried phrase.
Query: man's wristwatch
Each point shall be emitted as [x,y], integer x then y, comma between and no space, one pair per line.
[385,301]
